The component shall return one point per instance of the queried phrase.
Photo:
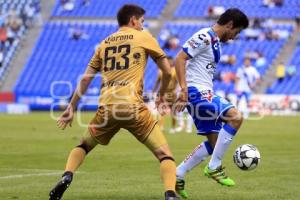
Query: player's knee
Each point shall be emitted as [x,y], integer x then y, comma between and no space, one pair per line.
[163,153]
[236,119]
[83,145]
[166,158]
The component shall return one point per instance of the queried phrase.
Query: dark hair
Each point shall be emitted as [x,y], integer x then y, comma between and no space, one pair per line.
[127,11]
[235,15]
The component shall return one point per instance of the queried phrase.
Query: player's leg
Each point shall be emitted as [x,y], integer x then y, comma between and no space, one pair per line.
[157,143]
[180,120]
[162,123]
[189,124]
[204,126]
[146,130]
[173,123]
[76,157]
[247,100]
[101,129]
[233,120]
[198,155]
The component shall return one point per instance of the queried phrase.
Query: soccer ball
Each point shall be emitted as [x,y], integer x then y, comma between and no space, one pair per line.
[246,157]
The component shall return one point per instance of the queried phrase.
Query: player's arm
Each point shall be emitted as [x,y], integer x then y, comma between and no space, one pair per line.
[157,83]
[67,116]
[84,83]
[164,66]
[152,48]
[194,46]
[180,63]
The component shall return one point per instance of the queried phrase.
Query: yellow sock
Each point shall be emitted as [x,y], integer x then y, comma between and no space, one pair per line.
[75,159]
[168,174]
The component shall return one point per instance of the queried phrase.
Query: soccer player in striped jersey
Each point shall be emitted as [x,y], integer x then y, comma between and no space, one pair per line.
[214,117]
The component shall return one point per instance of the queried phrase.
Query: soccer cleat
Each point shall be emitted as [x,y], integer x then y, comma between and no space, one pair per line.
[172,131]
[179,129]
[189,130]
[218,175]
[171,195]
[180,188]
[57,192]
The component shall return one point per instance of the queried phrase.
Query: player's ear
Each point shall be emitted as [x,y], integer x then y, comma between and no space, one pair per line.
[133,20]
[229,25]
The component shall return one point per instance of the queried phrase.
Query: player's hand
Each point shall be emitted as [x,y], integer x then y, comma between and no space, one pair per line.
[161,105]
[181,101]
[66,118]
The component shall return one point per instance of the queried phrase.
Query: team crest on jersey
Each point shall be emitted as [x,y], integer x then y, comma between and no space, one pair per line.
[204,39]
[137,57]
[207,95]
[193,43]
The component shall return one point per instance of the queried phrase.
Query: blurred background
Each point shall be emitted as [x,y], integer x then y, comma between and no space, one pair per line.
[46,45]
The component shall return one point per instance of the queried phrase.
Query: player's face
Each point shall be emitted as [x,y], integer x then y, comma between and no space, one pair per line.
[247,62]
[138,23]
[231,34]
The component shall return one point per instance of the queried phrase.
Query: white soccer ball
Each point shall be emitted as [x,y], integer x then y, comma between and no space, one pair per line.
[246,157]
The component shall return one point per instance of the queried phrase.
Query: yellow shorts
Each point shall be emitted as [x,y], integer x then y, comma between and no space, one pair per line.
[109,119]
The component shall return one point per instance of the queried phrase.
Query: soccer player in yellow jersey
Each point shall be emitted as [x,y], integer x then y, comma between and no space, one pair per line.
[121,59]
[170,94]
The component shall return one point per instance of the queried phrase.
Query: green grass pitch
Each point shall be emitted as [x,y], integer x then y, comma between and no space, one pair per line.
[33,154]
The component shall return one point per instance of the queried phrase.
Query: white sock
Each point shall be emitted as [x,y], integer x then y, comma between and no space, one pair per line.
[199,154]
[225,137]
[180,119]
[189,122]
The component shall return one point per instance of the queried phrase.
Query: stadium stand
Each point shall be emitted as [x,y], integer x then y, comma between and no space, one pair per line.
[290,83]
[105,8]
[289,9]
[16,18]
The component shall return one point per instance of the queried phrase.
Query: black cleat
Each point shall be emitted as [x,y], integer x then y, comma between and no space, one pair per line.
[57,192]
[171,195]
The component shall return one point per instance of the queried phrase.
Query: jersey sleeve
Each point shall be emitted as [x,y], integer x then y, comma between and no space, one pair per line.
[95,61]
[152,47]
[196,44]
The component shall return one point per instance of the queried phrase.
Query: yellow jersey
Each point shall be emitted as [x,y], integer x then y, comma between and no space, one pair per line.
[121,59]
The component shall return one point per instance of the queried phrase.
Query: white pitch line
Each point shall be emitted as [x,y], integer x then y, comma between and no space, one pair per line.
[32,170]
[29,175]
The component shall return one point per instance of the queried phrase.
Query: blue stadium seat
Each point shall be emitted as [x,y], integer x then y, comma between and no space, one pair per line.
[253,8]
[108,8]
[290,85]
